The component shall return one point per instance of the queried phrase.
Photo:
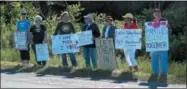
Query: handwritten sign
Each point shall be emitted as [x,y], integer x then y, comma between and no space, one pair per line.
[42,53]
[156,35]
[65,44]
[85,38]
[106,54]
[128,38]
[20,39]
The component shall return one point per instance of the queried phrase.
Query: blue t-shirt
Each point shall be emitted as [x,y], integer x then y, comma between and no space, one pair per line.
[23,25]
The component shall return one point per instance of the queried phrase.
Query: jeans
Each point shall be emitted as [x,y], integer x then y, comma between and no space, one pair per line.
[163,57]
[72,57]
[130,57]
[90,53]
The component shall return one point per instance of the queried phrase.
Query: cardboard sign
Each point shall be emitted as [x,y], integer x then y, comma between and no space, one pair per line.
[42,53]
[20,40]
[156,35]
[106,54]
[128,38]
[65,44]
[85,38]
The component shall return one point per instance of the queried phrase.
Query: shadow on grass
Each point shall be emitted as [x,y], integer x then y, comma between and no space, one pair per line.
[71,73]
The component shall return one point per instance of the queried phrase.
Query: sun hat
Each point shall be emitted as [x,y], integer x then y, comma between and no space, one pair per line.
[128,15]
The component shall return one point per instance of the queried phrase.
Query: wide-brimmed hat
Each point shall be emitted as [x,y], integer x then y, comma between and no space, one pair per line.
[128,15]
[109,18]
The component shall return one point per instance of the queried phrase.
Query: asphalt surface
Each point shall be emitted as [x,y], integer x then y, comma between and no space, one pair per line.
[31,80]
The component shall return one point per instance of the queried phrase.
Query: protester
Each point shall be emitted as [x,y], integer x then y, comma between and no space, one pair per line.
[90,50]
[39,35]
[159,55]
[66,27]
[130,24]
[23,25]
[109,29]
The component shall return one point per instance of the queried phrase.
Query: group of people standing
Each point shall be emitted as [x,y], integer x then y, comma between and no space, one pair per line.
[39,33]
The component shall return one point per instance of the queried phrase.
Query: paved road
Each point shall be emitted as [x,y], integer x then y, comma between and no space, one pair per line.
[30,80]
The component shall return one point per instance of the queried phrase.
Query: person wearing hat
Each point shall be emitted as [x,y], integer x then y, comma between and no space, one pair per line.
[159,55]
[109,29]
[39,33]
[89,51]
[130,23]
[23,25]
[66,27]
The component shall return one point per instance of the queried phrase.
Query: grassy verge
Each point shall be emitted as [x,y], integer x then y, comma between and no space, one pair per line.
[177,71]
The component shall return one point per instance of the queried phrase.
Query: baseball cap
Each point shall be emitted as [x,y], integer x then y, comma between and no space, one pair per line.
[88,16]
[23,11]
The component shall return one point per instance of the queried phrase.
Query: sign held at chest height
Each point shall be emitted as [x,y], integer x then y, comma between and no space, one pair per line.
[85,38]
[20,40]
[128,38]
[62,44]
[156,36]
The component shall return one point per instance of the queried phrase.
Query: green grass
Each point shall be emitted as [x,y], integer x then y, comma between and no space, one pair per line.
[176,71]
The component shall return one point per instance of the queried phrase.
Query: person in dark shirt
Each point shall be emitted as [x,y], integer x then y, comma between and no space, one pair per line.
[109,29]
[89,51]
[66,27]
[39,33]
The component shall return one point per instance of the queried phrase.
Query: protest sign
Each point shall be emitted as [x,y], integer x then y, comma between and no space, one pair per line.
[156,36]
[20,40]
[65,44]
[106,54]
[42,53]
[128,38]
[85,38]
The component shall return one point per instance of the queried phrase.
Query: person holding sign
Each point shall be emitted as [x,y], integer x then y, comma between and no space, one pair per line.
[89,51]
[130,23]
[109,29]
[23,25]
[159,55]
[39,35]
[66,27]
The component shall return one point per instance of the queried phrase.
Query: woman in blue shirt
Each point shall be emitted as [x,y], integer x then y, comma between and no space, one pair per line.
[23,25]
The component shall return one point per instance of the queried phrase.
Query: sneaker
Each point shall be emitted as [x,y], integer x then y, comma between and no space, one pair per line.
[88,68]
[130,68]
[65,69]
[136,68]
[153,78]
[162,79]
[75,67]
